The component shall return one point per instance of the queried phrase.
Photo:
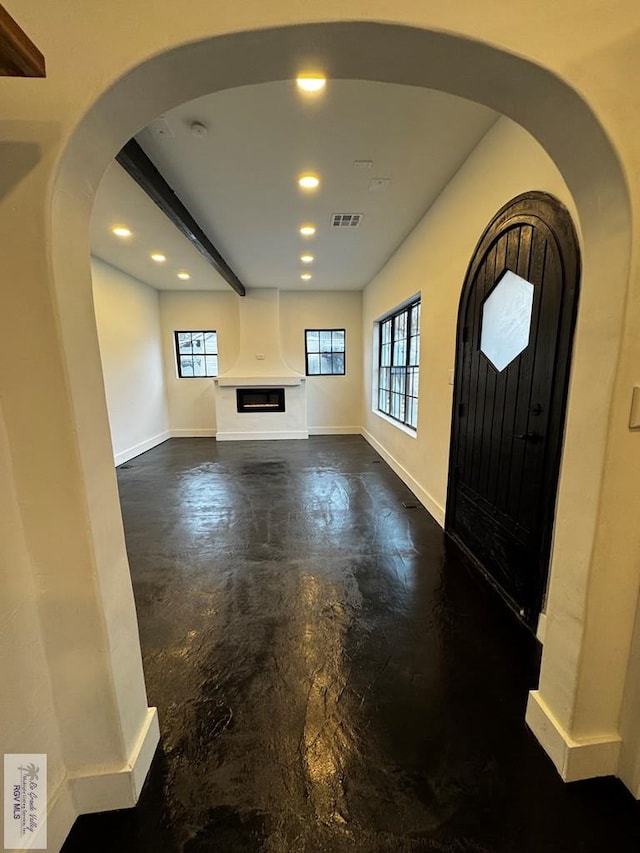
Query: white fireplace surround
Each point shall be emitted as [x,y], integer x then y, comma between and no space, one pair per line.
[260,365]
[252,426]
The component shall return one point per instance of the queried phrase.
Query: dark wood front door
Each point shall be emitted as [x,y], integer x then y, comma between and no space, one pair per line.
[515,327]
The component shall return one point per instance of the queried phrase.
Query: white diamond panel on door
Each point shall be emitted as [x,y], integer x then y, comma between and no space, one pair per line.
[506,320]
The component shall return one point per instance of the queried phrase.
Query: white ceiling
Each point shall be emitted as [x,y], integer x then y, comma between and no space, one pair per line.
[239,181]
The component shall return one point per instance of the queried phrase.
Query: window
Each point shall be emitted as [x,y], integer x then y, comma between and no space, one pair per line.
[398,360]
[196,353]
[324,352]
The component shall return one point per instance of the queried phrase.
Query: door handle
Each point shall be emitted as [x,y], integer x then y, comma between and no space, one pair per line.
[533,437]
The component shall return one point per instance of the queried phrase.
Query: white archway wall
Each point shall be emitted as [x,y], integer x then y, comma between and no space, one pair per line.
[71,444]
[409,56]
[433,261]
[27,674]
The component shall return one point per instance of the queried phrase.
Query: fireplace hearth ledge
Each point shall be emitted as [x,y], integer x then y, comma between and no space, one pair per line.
[258,381]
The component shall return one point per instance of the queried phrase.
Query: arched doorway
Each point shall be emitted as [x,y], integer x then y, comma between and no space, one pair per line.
[515,329]
[385,52]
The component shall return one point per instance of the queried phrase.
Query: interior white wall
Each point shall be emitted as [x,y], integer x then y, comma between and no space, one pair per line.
[27,709]
[334,403]
[192,404]
[128,324]
[432,261]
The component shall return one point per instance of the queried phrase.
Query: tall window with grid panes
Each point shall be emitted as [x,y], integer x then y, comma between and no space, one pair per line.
[399,365]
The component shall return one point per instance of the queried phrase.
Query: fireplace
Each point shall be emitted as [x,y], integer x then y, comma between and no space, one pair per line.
[250,395]
[260,400]
[254,408]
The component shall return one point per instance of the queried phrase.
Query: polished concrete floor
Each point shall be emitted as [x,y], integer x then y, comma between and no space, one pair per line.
[329,674]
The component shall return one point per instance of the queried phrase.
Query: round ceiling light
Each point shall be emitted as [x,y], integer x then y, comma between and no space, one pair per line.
[121,231]
[305,276]
[184,276]
[311,82]
[308,230]
[309,182]
[306,259]
[158,257]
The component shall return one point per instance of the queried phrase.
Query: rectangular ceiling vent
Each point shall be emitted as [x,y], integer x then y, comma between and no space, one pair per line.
[346,220]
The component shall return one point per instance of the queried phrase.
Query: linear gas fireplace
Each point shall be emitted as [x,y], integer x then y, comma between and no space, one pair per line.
[260,399]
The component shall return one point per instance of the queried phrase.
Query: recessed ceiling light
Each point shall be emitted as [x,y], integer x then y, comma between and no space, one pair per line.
[308,182]
[308,230]
[121,231]
[158,257]
[305,276]
[184,276]
[311,82]
[306,259]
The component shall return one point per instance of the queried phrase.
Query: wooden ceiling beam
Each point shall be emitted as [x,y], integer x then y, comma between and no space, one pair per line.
[19,57]
[144,172]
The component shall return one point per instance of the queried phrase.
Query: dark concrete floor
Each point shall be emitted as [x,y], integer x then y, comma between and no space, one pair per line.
[329,674]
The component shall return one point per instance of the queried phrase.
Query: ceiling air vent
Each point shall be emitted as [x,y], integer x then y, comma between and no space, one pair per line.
[346,220]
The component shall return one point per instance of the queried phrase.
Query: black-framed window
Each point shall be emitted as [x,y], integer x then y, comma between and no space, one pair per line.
[324,352]
[398,364]
[196,353]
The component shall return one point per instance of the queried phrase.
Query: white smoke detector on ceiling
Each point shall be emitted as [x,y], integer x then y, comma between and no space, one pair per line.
[198,129]
[379,185]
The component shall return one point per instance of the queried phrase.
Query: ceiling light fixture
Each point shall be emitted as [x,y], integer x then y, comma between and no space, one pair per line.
[308,230]
[121,231]
[158,257]
[306,259]
[305,276]
[309,182]
[311,83]
[184,276]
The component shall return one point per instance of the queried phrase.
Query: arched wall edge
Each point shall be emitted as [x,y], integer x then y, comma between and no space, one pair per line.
[513,86]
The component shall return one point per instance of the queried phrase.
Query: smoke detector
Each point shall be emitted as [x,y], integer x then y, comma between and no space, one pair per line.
[198,129]
[379,185]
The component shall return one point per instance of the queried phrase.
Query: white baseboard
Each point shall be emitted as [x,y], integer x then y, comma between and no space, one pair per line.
[142,447]
[573,759]
[261,436]
[429,503]
[106,790]
[192,433]
[341,430]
